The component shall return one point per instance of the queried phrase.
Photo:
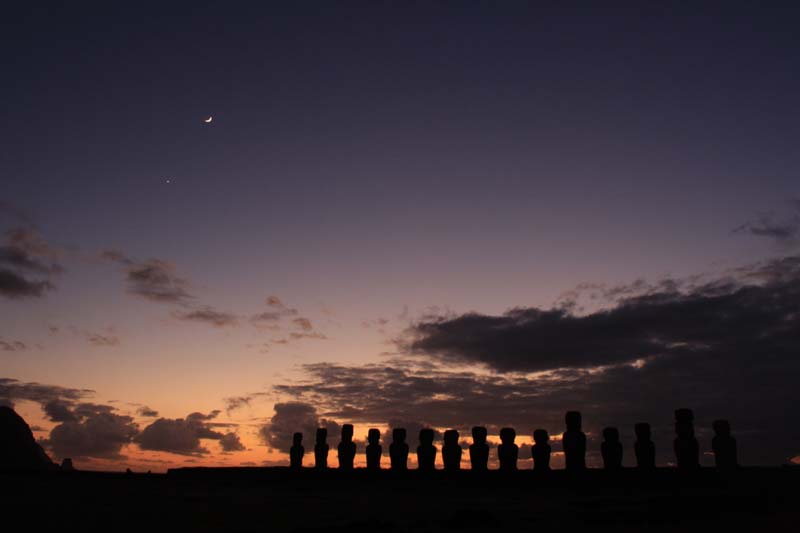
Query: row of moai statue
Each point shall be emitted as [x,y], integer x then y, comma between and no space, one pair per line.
[686,447]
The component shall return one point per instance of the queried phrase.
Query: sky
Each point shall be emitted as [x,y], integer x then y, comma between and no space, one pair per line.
[401,214]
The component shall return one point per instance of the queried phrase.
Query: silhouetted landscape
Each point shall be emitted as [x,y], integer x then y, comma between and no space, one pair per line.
[319,498]
[400,265]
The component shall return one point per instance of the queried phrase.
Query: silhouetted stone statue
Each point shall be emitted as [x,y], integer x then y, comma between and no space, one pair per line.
[479,449]
[347,448]
[374,449]
[18,449]
[398,449]
[508,452]
[426,451]
[297,451]
[541,450]
[724,446]
[574,443]
[321,449]
[66,465]
[687,451]
[451,451]
[644,447]
[611,449]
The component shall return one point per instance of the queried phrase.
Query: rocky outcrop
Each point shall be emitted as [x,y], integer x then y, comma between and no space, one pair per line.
[18,448]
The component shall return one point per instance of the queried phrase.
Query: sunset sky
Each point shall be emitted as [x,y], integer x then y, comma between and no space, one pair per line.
[402,214]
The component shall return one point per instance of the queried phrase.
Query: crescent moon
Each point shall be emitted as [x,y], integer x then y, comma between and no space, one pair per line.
[209,119]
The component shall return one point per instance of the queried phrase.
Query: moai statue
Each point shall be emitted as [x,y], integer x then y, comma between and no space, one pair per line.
[479,449]
[297,451]
[374,449]
[451,451]
[321,449]
[346,448]
[574,442]
[724,446]
[541,450]
[687,451]
[644,447]
[611,449]
[398,449]
[426,451]
[508,452]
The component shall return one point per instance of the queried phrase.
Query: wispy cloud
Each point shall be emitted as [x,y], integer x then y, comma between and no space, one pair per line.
[153,279]
[28,265]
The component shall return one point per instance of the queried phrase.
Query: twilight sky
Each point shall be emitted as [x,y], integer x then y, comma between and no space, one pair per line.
[402,213]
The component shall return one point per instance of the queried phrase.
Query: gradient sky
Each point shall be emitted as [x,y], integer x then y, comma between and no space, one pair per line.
[371,165]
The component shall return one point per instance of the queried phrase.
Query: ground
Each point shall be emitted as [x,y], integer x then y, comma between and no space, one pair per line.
[276,499]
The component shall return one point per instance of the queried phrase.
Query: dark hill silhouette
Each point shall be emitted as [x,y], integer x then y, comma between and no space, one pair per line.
[18,448]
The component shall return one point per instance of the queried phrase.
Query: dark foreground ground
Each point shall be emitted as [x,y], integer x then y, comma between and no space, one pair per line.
[275,499]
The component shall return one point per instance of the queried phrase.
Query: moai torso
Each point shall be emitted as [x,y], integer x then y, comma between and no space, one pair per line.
[347,448]
[321,449]
[426,451]
[479,449]
[297,451]
[398,450]
[451,451]
[574,443]
[724,446]
[644,447]
[507,452]
[374,450]
[687,451]
[541,450]
[611,449]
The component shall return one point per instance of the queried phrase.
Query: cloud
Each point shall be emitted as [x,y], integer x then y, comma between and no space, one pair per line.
[313,335]
[208,315]
[723,316]
[153,279]
[16,214]
[16,286]
[237,402]
[276,303]
[726,348]
[96,339]
[291,417]
[12,346]
[782,230]
[146,411]
[27,265]
[303,323]
[271,319]
[59,411]
[267,319]
[12,390]
[180,435]
[230,443]
[92,431]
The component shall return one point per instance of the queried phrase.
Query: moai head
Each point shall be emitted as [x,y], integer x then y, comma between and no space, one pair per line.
[347,432]
[399,435]
[573,420]
[611,435]
[642,430]
[722,428]
[374,436]
[507,435]
[426,437]
[479,435]
[322,435]
[451,437]
[540,436]
[297,439]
